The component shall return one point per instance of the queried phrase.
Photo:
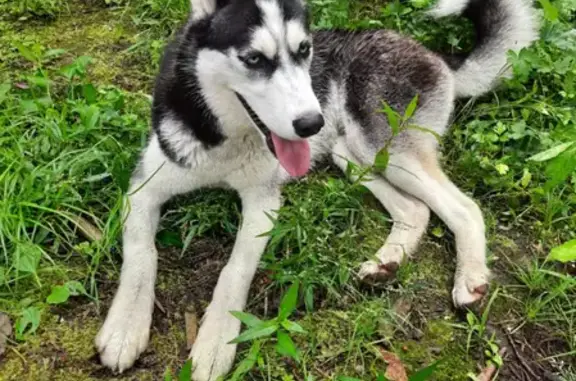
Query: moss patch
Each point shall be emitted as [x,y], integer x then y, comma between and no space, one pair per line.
[440,342]
[103,34]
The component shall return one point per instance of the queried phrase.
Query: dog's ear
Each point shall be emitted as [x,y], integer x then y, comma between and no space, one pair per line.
[203,8]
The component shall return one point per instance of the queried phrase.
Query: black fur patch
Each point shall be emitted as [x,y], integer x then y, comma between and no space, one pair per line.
[373,66]
[327,61]
[176,96]
[488,19]
[229,26]
[293,10]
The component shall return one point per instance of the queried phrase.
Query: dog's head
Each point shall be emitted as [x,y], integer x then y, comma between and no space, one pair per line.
[261,51]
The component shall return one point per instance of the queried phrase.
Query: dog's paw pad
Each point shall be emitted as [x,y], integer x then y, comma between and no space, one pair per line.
[373,273]
[465,296]
[391,268]
[482,289]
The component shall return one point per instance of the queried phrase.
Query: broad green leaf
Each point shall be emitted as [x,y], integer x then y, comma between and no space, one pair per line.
[382,159]
[59,294]
[169,238]
[438,231]
[27,257]
[90,93]
[346,378]
[411,107]
[560,168]
[288,303]
[186,372]
[75,288]
[246,318]
[68,71]
[393,119]
[28,106]
[255,333]
[420,3]
[550,11]
[285,346]
[26,53]
[83,61]
[526,178]
[4,89]
[564,253]
[90,116]
[293,327]
[38,80]
[551,153]
[30,318]
[426,373]
[502,169]
[471,318]
[51,53]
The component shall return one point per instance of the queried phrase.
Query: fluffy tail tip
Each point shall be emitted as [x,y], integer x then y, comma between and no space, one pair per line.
[448,7]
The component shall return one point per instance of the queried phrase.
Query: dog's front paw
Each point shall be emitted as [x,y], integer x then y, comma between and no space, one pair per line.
[123,337]
[470,286]
[211,354]
[373,273]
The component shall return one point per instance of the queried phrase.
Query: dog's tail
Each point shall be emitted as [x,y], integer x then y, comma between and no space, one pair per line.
[501,26]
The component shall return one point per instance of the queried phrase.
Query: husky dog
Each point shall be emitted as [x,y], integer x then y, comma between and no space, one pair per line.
[249,98]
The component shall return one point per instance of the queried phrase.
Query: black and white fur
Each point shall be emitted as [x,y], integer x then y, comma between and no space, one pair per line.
[242,70]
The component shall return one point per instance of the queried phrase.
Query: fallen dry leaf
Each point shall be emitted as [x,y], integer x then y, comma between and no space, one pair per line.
[21,85]
[159,306]
[5,331]
[402,307]
[395,370]
[87,229]
[191,320]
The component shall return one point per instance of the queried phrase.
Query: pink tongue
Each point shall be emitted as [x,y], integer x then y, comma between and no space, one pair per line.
[294,156]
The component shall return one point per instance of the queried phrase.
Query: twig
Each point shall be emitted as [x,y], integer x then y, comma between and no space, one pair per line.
[19,355]
[266,302]
[191,322]
[525,365]
[159,306]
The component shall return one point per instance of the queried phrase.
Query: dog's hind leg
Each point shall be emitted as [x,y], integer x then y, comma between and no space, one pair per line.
[212,354]
[125,332]
[417,172]
[410,218]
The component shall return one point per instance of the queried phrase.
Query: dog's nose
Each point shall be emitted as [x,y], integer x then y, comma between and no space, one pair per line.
[308,124]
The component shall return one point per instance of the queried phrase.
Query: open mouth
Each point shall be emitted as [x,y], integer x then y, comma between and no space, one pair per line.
[293,155]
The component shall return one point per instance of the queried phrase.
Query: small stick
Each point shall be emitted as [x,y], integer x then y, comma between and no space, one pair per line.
[159,306]
[191,321]
[520,357]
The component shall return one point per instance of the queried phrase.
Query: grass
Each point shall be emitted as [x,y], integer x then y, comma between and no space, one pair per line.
[74,113]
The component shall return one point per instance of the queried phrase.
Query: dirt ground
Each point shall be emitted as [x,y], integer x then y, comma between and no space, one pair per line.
[63,348]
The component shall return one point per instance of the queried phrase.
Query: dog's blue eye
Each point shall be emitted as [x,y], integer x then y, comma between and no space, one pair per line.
[253,59]
[304,49]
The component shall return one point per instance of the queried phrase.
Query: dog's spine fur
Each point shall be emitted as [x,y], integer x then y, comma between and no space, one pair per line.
[501,26]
